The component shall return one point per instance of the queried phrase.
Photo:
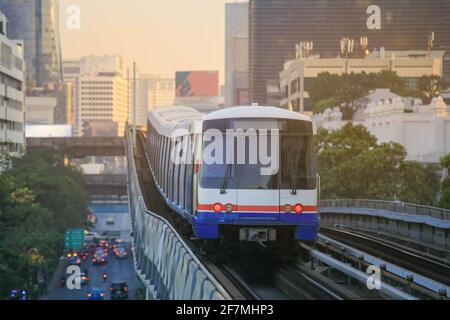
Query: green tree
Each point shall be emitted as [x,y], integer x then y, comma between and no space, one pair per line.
[420,184]
[353,165]
[322,105]
[430,87]
[57,187]
[444,200]
[39,198]
[344,90]
[325,86]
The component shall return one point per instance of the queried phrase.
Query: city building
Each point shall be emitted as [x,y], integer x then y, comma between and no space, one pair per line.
[48,131]
[199,90]
[236,54]
[62,94]
[101,101]
[299,74]
[393,120]
[276,27]
[71,72]
[37,23]
[12,96]
[40,110]
[152,91]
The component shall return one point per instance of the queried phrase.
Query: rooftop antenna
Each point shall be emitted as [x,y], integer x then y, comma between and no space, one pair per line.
[290,107]
[347,46]
[430,42]
[304,49]
[364,43]
[134,104]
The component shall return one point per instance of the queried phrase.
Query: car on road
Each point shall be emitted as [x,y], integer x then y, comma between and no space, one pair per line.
[110,221]
[119,290]
[84,279]
[121,253]
[100,258]
[99,261]
[90,236]
[96,294]
[118,243]
[74,261]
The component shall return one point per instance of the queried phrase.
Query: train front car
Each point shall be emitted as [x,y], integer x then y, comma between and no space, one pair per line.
[257,182]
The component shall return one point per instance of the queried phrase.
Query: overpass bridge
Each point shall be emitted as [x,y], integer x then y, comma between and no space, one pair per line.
[171,269]
[107,187]
[101,188]
[80,147]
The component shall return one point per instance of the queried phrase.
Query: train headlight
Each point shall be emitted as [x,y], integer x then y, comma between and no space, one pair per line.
[229,208]
[288,208]
[217,207]
[298,208]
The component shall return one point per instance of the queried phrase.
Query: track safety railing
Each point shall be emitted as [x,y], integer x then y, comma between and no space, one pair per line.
[400,207]
[163,261]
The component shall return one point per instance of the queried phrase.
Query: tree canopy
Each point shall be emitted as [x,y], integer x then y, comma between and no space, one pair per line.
[329,90]
[39,198]
[353,165]
[444,201]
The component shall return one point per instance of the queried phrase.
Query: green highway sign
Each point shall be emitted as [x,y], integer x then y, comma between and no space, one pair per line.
[74,239]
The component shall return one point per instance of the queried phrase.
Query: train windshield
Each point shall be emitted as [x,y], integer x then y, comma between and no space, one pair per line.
[258,154]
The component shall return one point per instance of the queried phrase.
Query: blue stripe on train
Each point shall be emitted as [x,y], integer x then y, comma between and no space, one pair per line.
[206,224]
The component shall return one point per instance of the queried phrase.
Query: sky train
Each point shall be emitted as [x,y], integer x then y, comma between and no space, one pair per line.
[237,175]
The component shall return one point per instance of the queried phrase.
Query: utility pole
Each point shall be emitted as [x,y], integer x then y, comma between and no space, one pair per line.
[133,114]
[303,51]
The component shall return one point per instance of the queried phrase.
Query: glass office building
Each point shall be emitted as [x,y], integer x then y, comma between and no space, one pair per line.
[37,23]
[276,26]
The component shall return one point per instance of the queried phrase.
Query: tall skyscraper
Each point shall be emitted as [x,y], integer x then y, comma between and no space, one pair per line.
[277,26]
[37,23]
[100,95]
[12,97]
[236,54]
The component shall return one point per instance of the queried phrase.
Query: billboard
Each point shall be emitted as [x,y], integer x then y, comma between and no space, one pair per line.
[197,84]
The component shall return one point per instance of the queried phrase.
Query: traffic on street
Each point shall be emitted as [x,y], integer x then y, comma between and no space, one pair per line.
[104,264]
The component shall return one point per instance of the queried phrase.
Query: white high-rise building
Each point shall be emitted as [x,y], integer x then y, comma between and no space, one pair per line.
[101,95]
[236,54]
[152,92]
[12,95]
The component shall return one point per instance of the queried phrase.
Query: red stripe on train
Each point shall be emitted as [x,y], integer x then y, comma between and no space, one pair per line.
[209,207]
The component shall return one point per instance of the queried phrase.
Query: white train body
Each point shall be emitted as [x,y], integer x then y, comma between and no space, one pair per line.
[238,174]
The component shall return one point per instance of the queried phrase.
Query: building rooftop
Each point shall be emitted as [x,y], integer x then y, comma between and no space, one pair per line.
[48,131]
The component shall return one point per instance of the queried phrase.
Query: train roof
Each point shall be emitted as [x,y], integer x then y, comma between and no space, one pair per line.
[168,119]
[256,112]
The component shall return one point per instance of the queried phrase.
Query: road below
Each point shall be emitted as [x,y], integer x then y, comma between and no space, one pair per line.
[118,270]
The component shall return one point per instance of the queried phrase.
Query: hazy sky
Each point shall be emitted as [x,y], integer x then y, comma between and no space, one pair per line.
[161,35]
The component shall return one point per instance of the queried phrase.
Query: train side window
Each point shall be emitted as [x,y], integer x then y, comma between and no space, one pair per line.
[169,169]
[158,160]
[172,175]
[187,179]
[190,175]
[163,163]
[160,167]
[182,169]
[168,173]
[157,156]
[164,167]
